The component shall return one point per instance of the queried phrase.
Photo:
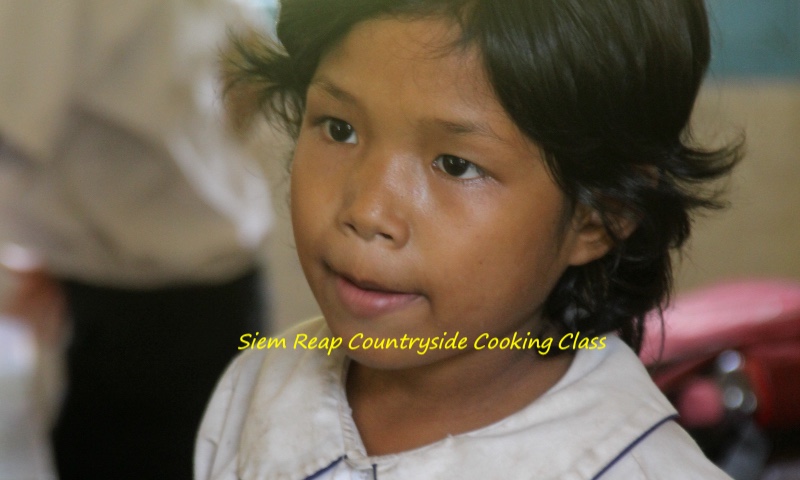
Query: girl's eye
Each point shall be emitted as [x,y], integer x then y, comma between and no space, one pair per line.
[458,167]
[339,131]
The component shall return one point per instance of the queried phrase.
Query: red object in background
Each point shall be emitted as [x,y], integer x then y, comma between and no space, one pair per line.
[774,371]
[755,326]
[701,403]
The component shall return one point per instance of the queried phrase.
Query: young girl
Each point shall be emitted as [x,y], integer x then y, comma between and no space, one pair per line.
[484,198]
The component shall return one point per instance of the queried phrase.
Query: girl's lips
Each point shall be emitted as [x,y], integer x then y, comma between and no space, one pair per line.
[364,301]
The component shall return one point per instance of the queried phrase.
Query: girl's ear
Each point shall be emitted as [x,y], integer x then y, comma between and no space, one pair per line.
[592,238]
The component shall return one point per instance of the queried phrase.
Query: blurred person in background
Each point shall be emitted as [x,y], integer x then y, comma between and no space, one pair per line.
[118,170]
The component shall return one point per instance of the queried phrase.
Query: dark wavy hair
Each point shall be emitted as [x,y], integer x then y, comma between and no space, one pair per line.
[604,87]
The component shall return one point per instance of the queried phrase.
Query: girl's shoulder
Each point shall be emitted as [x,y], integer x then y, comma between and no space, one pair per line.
[668,453]
[264,381]
[627,428]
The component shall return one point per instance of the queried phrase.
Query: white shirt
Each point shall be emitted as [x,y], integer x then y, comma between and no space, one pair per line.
[283,414]
[114,163]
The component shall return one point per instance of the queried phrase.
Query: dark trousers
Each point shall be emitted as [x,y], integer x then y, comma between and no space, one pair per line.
[141,366]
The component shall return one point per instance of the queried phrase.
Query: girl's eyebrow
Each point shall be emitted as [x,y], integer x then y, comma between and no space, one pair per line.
[463,127]
[460,127]
[334,91]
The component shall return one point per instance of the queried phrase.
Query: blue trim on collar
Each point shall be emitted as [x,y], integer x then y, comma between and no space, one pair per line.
[330,466]
[633,444]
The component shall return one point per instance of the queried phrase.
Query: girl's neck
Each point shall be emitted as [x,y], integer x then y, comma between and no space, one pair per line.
[399,410]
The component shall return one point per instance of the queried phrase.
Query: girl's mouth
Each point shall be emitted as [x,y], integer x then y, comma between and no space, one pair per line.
[367,299]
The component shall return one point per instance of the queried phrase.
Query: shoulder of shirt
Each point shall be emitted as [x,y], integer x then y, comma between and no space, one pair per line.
[666,454]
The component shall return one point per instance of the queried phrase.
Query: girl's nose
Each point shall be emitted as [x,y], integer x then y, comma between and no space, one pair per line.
[377,199]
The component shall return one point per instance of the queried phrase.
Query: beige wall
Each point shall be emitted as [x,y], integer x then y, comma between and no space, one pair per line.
[758,236]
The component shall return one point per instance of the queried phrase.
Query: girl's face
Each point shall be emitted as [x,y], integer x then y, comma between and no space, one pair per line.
[418,206]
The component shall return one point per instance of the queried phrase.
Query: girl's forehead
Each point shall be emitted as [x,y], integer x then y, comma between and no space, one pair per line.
[419,57]
[388,40]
